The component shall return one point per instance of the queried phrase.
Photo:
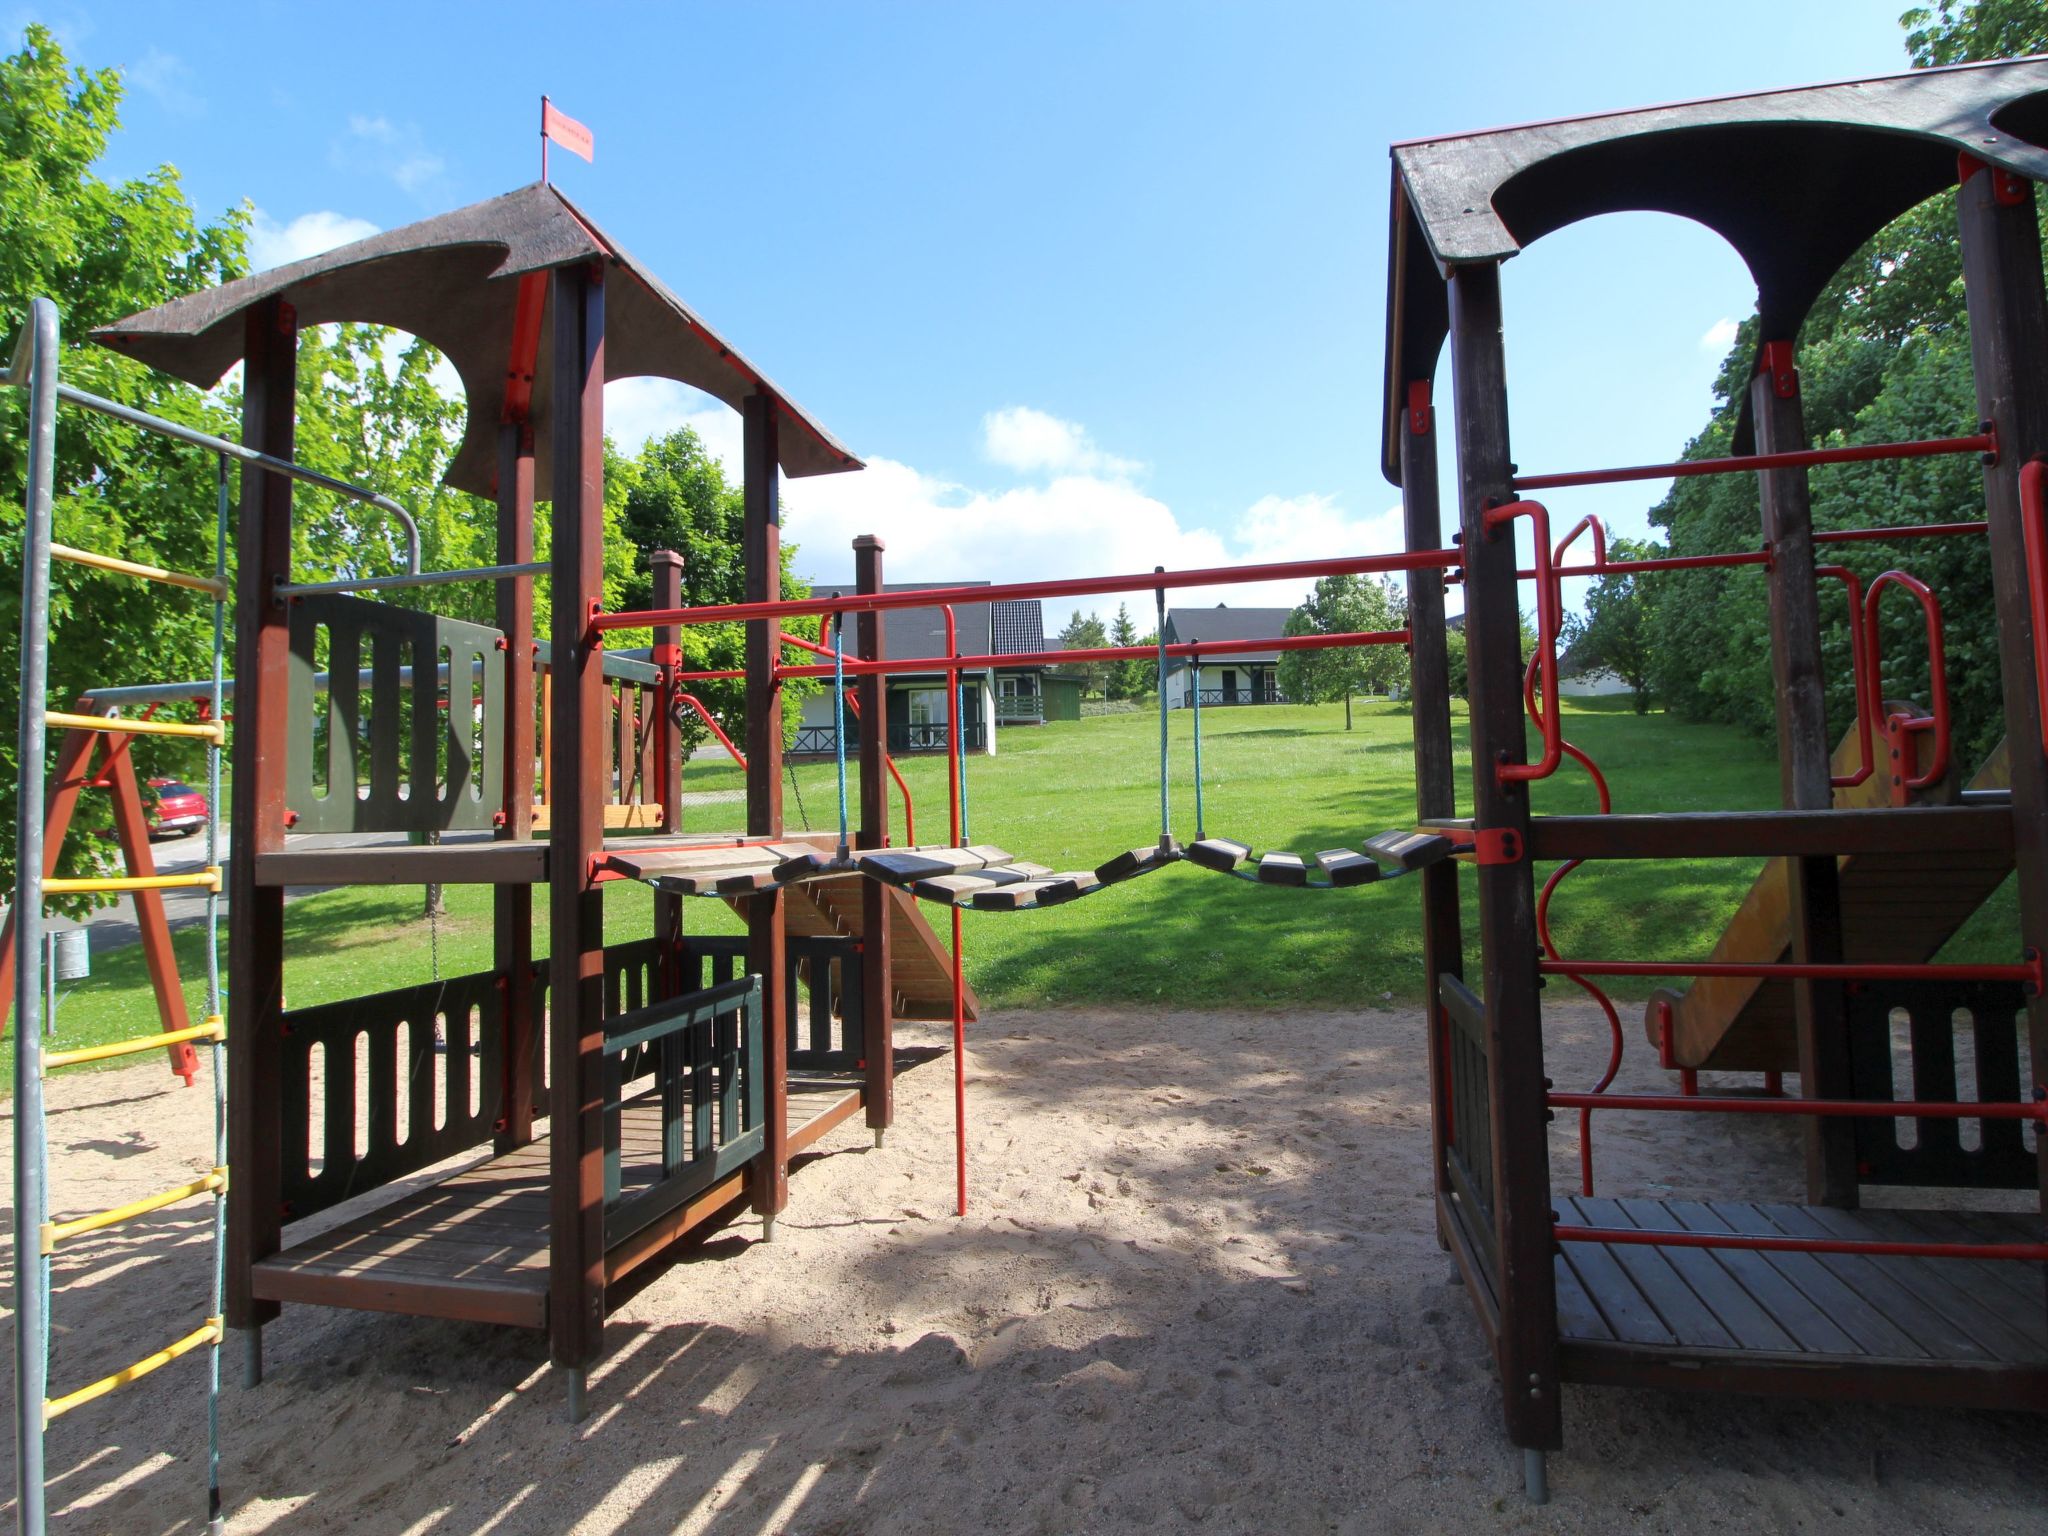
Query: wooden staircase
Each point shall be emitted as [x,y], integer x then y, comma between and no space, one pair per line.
[1899,907]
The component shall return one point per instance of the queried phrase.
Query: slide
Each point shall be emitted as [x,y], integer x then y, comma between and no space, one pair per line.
[1896,907]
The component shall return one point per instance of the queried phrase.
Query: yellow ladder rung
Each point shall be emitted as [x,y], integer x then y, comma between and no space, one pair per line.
[209,730]
[55,1232]
[208,1332]
[215,1028]
[204,879]
[120,567]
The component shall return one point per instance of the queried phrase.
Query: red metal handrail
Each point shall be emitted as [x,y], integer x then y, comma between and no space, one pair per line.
[1080,586]
[888,762]
[1838,1109]
[1547,624]
[1803,458]
[1647,1238]
[2027,974]
[2033,509]
[705,715]
[1937,665]
[1187,648]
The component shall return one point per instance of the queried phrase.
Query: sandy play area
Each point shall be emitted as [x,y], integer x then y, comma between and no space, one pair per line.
[1198,1289]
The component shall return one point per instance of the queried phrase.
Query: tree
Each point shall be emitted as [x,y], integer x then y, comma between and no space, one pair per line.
[1616,632]
[1454,651]
[1341,605]
[1084,633]
[101,250]
[1129,679]
[675,495]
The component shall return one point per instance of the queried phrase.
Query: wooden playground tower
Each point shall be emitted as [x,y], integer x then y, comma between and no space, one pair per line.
[678,1075]
[1826,1299]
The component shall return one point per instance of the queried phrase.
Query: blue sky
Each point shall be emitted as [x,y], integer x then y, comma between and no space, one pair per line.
[1093,287]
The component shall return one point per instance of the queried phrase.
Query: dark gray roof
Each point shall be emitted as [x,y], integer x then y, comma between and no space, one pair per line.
[1795,180]
[909,634]
[1186,626]
[453,280]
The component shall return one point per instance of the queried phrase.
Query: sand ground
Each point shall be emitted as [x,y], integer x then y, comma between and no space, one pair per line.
[1198,1289]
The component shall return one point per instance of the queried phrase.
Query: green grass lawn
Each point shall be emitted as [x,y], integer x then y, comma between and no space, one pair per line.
[1071,794]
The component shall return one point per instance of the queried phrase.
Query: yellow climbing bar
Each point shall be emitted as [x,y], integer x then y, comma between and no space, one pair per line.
[214,1028]
[208,1332]
[55,1232]
[200,879]
[209,730]
[214,589]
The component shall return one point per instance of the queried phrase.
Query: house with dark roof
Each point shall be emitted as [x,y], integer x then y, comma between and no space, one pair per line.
[919,708]
[1242,677]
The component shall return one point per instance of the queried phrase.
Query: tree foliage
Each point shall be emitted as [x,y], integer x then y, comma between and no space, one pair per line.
[1085,632]
[1883,355]
[1344,605]
[1615,633]
[1135,678]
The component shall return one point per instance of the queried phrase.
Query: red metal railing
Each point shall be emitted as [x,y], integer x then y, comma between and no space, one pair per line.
[1829,1109]
[2027,974]
[1937,668]
[704,714]
[1548,621]
[2033,509]
[1191,648]
[1804,458]
[1641,1237]
[1081,586]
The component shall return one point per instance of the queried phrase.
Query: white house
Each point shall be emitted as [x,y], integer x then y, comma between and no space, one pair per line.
[1247,677]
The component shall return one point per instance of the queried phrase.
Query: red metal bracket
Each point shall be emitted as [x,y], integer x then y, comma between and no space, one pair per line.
[2007,189]
[1781,363]
[1418,407]
[1497,845]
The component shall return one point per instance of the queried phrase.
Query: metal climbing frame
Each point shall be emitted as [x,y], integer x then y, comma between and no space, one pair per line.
[34,366]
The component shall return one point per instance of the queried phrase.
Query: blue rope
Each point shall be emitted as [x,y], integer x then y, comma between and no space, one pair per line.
[1196,663]
[839,719]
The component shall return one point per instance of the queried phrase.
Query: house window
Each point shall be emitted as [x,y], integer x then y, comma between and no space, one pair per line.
[927,706]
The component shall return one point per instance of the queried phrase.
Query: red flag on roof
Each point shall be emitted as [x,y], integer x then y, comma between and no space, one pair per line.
[564,130]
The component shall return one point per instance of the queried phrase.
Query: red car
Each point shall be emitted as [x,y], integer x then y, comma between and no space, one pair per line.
[173,808]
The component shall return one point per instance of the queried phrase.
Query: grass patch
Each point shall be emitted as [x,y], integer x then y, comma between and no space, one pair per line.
[1070,794]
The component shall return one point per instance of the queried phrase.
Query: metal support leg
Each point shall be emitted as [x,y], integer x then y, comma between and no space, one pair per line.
[767,1229]
[880,1131]
[1535,1477]
[577,1382]
[252,1358]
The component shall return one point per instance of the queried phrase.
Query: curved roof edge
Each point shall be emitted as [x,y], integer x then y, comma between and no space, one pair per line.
[1796,180]
[453,280]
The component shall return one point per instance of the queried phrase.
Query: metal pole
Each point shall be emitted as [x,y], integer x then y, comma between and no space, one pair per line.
[1165,804]
[414,578]
[31,1194]
[216,1054]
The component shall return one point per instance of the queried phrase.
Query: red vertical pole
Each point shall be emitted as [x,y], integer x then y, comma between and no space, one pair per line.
[576,835]
[667,570]
[256,936]
[959,978]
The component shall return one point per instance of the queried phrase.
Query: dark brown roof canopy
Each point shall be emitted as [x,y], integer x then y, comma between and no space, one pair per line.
[1795,180]
[453,280]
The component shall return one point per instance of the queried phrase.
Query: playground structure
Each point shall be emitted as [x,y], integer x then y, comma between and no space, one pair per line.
[678,1076]
[1876,862]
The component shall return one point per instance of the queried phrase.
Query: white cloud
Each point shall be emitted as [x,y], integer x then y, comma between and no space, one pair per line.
[1028,440]
[399,150]
[1719,338]
[168,79]
[638,409]
[272,244]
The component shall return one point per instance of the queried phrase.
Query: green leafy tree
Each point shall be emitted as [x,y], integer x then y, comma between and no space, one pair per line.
[101,250]
[1617,631]
[675,495]
[1085,633]
[1454,651]
[1135,678]
[1341,605]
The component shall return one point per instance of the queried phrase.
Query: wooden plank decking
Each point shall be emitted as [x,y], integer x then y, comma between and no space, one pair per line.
[474,1246]
[1969,1332]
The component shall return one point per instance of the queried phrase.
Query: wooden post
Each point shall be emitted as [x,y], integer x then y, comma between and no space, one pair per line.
[878,999]
[1429,693]
[576,833]
[1527,1346]
[2009,350]
[1815,904]
[270,351]
[512,905]
[668,755]
[767,938]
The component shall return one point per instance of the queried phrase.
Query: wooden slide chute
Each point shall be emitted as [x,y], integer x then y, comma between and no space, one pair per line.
[1896,907]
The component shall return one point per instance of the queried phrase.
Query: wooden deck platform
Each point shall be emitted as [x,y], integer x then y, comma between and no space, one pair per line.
[1964,1332]
[474,1246]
